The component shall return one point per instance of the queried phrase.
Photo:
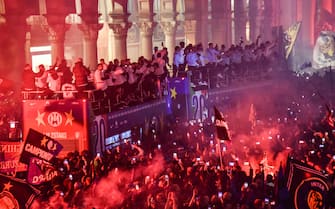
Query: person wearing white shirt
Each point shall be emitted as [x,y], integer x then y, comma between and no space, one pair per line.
[99,78]
[192,59]
[104,64]
[212,54]
[193,63]
[53,80]
[41,78]
[178,61]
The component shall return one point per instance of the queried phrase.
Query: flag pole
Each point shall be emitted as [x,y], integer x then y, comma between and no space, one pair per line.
[220,152]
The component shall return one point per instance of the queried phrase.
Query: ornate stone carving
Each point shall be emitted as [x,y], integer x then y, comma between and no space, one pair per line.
[57,32]
[90,31]
[133,35]
[169,27]
[158,33]
[120,29]
[146,27]
[56,27]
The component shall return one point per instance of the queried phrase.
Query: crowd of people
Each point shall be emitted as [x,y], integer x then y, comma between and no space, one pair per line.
[216,66]
[118,84]
[121,83]
[182,167]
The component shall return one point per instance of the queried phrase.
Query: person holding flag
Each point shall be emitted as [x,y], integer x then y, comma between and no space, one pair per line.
[222,131]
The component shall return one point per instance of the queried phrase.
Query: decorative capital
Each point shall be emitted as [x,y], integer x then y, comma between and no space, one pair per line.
[169,27]
[120,29]
[146,27]
[90,31]
[57,32]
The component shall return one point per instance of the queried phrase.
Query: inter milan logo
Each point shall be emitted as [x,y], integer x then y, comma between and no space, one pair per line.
[314,199]
[7,200]
[310,194]
[54,119]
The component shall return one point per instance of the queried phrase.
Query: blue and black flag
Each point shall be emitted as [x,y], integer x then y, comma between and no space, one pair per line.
[40,146]
[16,193]
[307,187]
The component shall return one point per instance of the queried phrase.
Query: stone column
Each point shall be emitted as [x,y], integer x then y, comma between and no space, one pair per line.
[146,26]
[239,20]
[192,22]
[191,31]
[219,27]
[227,39]
[203,23]
[169,25]
[56,28]
[146,32]
[90,49]
[307,28]
[120,39]
[27,46]
[288,10]
[169,29]
[57,39]
[267,20]
[119,26]
[253,18]
[276,12]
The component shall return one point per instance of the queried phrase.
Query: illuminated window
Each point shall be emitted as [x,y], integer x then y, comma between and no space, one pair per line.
[40,55]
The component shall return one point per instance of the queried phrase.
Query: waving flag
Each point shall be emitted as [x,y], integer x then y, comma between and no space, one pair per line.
[15,193]
[40,171]
[178,97]
[221,125]
[324,50]
[9,157]
[307,186]
[290,35]
[39,146]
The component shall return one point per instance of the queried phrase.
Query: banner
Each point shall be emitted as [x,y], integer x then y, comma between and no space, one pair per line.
[39,146]
[290,35]
[15,193]
[221,125]
[324,50]
[199,103]
[307,186]
[40,171]
[9,157]
[63,120]
[178,99]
